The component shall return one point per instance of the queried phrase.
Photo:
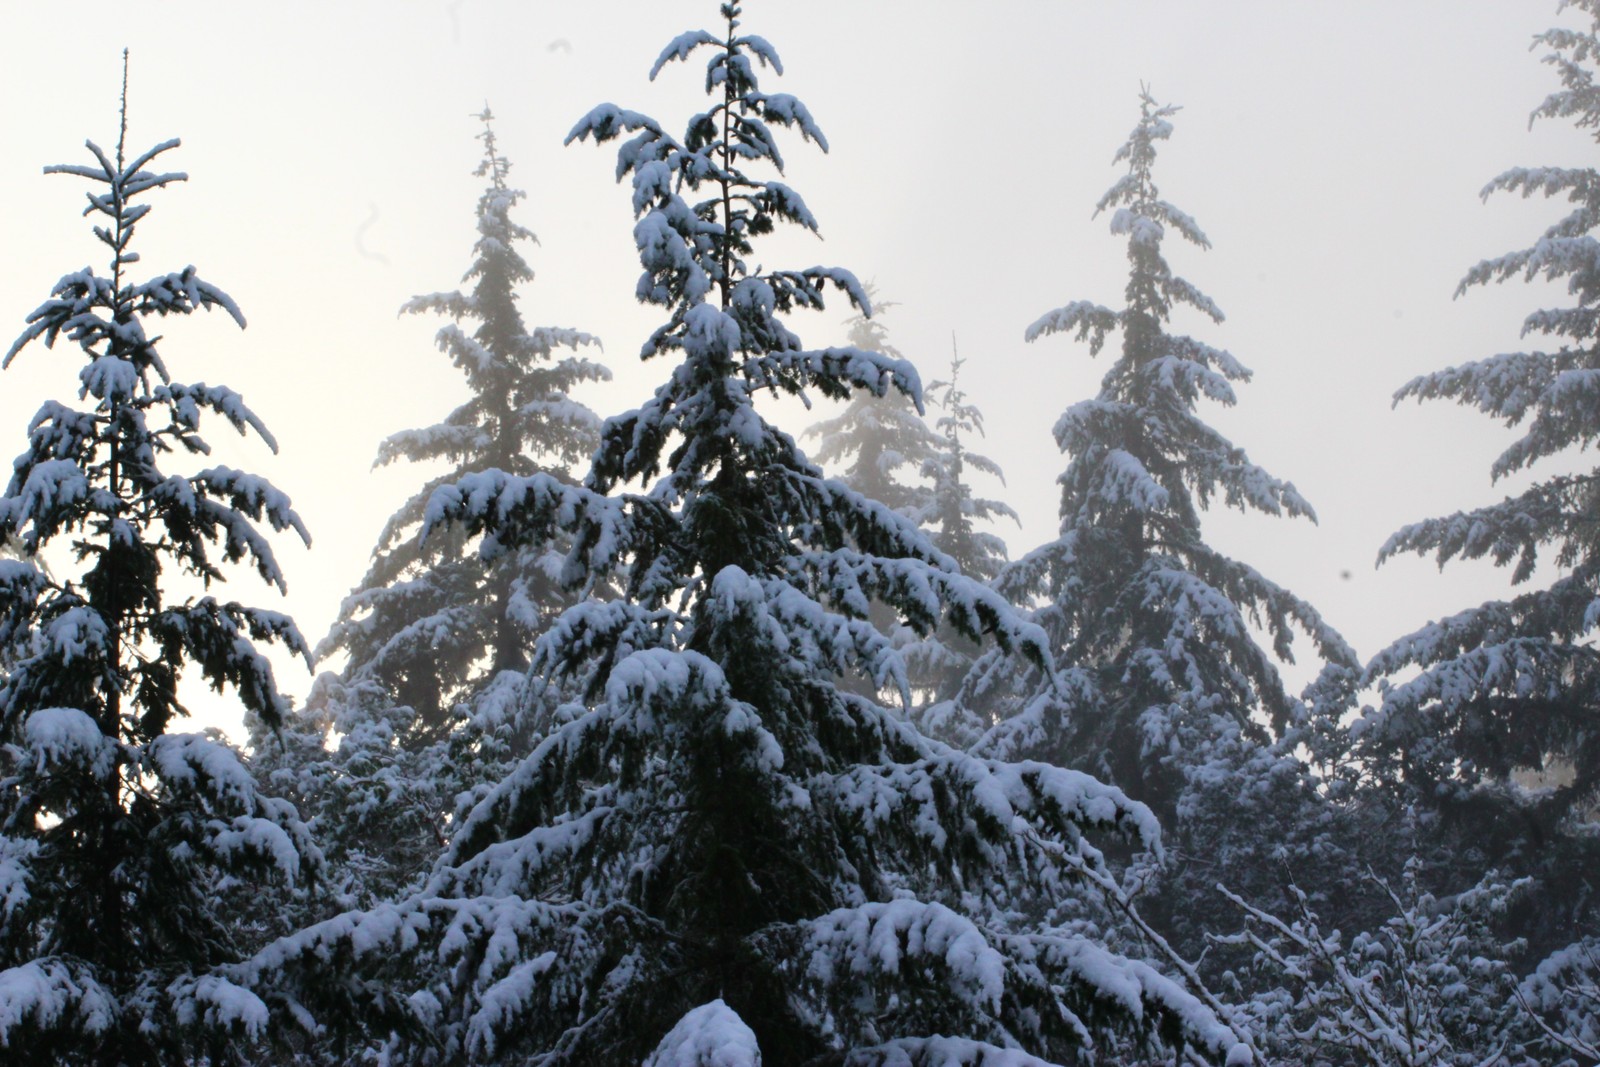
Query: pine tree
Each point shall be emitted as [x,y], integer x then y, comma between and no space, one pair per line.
[1161,670]
[1471,700]
[427,706]
[725,857]
[119,838]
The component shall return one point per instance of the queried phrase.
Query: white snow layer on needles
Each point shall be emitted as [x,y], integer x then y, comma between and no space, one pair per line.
[952,1052]
[261,824]
[711,1035]
[43,992]
[877,937]
[220,1003]
[68,736]
[15,854]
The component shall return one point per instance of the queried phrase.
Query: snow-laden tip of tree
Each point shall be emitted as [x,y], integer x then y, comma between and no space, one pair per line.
[723,853]
[1476,705]
[1151,624]
[119,839]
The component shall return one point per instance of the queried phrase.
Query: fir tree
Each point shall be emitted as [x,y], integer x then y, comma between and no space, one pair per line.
[725,857]
[430,620]
[877,440]
[1150,623]
[119,838]
[428,705]
[938,662]
[1471,700]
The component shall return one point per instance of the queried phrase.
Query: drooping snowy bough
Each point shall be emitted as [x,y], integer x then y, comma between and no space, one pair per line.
[722,854]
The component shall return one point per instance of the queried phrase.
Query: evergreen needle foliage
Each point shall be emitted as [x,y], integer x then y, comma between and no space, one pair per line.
[120,838]
[722,856]
[1473,700]
[1152,626]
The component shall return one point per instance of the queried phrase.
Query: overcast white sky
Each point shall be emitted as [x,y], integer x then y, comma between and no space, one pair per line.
[1332,152]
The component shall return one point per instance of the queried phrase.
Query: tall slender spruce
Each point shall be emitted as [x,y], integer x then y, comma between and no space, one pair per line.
[955,518]
[1150,624]
[724,857]
[119,838]
[428,705]
[1513,687]
[431,620]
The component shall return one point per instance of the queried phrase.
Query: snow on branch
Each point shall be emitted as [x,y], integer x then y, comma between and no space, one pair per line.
[849,943]
[680,47]
[66,738]
[53,995]
[711,1035]
[511,509]
[1091,321]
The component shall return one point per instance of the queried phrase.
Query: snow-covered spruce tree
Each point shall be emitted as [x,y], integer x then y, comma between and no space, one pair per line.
[1148,621]
[936,663]
[725,858]
[877,441]
[1469,701]
[118,837]
[954,511]
[437,638]
[431,620]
